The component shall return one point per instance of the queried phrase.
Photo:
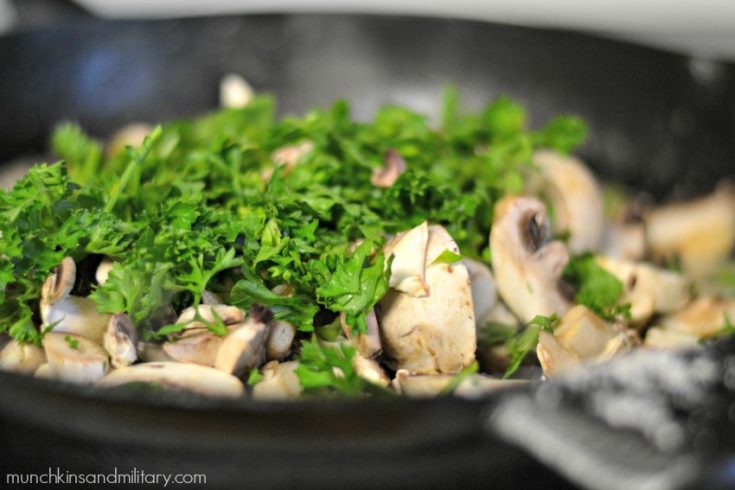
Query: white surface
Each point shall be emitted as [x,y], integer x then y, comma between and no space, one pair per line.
[704,28]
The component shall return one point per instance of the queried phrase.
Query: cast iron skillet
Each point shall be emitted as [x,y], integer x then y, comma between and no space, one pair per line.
[658,122]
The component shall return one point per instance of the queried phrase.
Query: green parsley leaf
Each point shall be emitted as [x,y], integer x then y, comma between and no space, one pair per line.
[597,288]
[447,257]
[73,343]
[527,340]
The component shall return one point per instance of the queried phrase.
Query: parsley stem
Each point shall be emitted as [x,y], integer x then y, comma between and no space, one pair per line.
[139,157]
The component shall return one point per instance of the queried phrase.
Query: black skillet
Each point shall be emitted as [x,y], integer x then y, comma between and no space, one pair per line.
[658,121]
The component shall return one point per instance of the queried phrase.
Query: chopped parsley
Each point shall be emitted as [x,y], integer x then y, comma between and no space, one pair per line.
[526,341]
[597,289]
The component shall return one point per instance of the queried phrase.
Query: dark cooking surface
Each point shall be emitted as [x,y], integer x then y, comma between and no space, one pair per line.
[657,123]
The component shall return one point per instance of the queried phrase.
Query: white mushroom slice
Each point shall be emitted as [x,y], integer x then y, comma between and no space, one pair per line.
[393,167]
[407,270]
[484,290]
[583,332]
[280,339]
[527,269]
[648,289]
[198,348]
[430,385]
[176,375]
[660,338]
[70,314]
[626,241]
[576,199]
[243,348]
[132,134]
[21,358]
[279,382]
[701,233]
[151,352]
[288,157]
[368,344]
[701,318]
[420,386]
[120,339]
[210,298]
[555,359]
[370,370]
[74,358]
[621,344]
[478,386]
[103,271]
[235,92]
[45,371]
[229,315]
[435,333]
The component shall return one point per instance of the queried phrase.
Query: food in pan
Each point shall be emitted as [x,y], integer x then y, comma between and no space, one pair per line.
[241,255]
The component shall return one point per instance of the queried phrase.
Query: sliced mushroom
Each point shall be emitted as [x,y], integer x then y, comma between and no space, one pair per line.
[555,359]
[198,346]
[279,382]
[430,385]
[103,271]
[229,315]
[408,250]
[244,347]
[661,338]
[70,314]
[280,340]
[701,233]
[484,290]
[152,352]
[370,370]
[583,332]
[368,344]
[393,167]
[21,358]
[527,268]
[621,344]
[288,157]
[120,339]
[576,199]
[701,318]
[132,134]
[648,289]
[44,371]
[235,92]
[178,376]
[434,333]
[74,358]
[626,241]
[210,298]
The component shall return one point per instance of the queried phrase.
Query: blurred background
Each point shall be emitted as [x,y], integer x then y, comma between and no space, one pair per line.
[704,29]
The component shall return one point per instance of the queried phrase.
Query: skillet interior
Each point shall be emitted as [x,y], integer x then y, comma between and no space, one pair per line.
[656,123]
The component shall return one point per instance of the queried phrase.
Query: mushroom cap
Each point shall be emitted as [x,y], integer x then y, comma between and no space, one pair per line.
[60,283]
[662,338]
[198,346]
[229,315]
[84,363]
[103,271]
[527,269]
[21,358]
[76,315]
[370,370]
[243,348]
[701,318]
[280,339]
[368,344]
[279,382]
[701,232]
[434,333]
[583,332]
[576,198]
[408,268]
[484,289]
[120,339]
[648,289]
[393,167]
[555,359]
[235,92]
[176,375]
